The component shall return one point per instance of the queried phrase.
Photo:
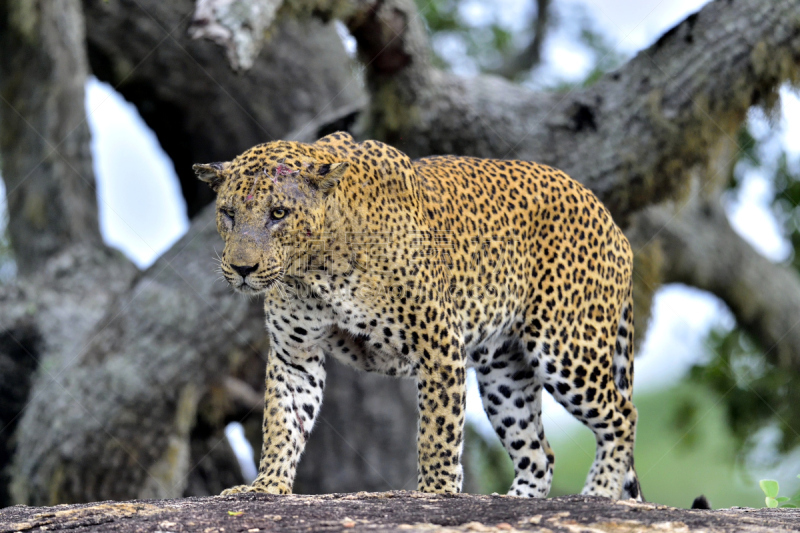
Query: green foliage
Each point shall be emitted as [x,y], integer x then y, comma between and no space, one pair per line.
[685,414]
[489,44]
[605,56]
[785,204]
[772,500]
[755,393]
[748,147]
[683,448]
[485,44]
[440,15]
[488,462]
[747,157]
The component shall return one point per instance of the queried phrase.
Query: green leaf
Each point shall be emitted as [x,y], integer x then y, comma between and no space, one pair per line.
[770,488]
[782,499]
[771,502]
[748,146]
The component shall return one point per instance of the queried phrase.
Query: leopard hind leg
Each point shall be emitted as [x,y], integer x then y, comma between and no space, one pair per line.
[584,376]
[511,393]
[623,377]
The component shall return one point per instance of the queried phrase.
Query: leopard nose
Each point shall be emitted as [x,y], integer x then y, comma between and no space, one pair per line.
[244,270]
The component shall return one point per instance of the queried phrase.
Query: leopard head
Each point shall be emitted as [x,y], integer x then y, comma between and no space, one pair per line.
[271,204]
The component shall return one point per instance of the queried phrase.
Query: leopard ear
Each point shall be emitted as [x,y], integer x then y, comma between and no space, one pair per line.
[327,176]
[211,173]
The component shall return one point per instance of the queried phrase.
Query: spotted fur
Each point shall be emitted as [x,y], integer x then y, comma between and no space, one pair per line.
[423,269]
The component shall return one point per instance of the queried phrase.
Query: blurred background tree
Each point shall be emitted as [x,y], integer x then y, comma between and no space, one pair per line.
[118,379]
[759,397]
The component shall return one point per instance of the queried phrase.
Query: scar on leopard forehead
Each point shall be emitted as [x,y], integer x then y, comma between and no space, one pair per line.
[280,171]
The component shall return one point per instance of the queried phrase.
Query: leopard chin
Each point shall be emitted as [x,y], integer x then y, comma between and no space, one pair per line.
[253,289]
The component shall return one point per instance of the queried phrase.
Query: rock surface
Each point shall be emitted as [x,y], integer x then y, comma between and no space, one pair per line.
[390,511]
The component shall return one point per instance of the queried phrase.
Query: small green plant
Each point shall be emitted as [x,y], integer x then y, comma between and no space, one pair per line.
[770,488]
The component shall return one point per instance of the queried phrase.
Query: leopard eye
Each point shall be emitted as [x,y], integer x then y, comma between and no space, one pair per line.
[228,212]
[278,214]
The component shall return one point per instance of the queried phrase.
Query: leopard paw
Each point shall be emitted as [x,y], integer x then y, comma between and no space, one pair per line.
[239,489]
[263,488]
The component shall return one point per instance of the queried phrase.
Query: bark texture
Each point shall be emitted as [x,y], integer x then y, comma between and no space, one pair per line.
[49,182]
[393,511]
[45,323]
[119,407]
[47,170]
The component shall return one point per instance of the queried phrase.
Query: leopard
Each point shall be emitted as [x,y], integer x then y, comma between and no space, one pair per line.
[422,269]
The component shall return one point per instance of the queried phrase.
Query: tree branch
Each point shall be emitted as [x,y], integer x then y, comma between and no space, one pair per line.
[631,137]
[157,349]
[702,250]
[530,56]
[49,183]
[185,91]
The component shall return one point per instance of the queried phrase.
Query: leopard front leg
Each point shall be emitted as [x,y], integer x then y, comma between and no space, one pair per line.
[291,403]
[441,395]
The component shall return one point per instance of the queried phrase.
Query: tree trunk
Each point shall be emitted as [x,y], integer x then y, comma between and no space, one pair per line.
[44,137]
[362,409]
[112,409]
[47,170]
